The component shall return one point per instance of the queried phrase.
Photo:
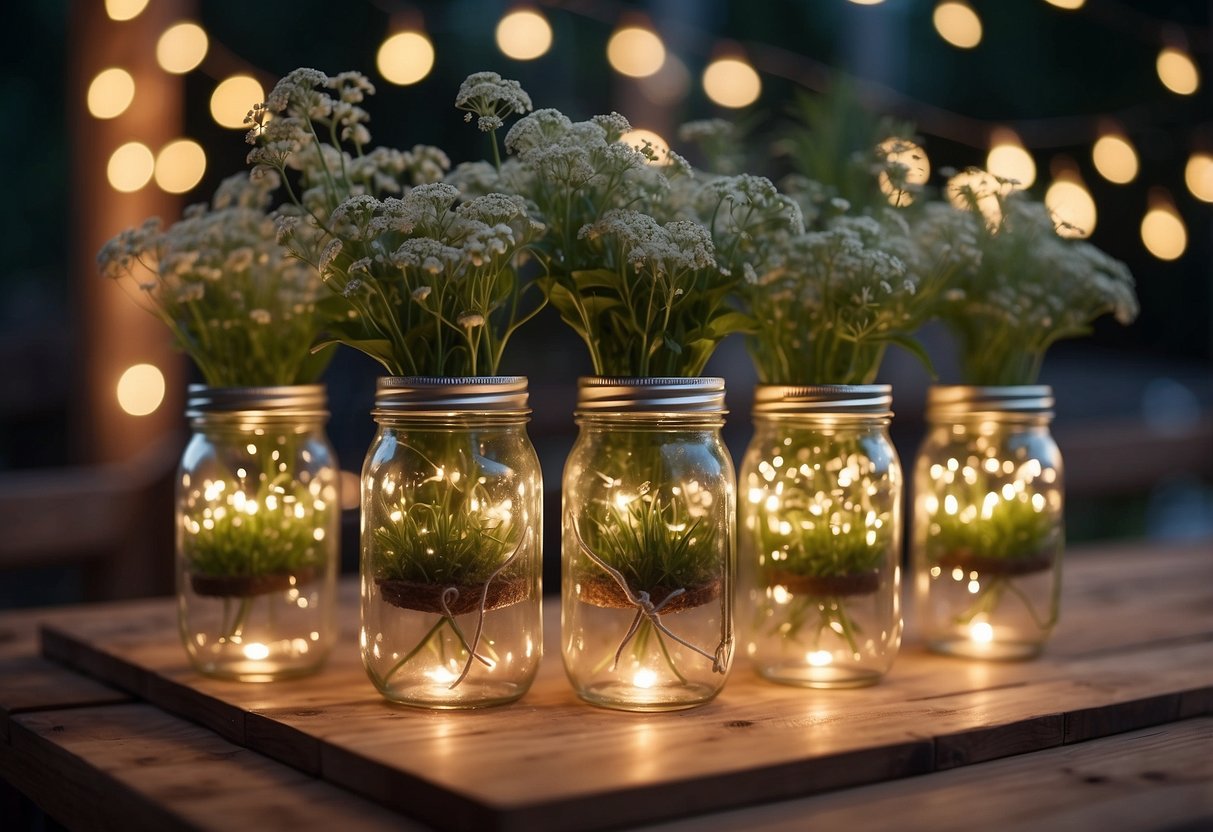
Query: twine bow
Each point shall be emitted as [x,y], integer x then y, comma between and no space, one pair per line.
[646,609]
[451,594]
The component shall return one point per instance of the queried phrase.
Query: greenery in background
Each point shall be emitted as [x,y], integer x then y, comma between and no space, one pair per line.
[1025,286]
[432,286]
[237,303]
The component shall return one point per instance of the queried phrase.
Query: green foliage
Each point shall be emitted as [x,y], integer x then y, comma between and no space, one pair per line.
[1013,530]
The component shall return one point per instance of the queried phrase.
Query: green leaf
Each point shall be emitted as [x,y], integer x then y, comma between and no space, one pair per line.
[914,348]
[596,279]
[731,322]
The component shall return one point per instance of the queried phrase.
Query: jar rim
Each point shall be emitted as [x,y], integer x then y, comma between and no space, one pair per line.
[833,399]
[672,395]
[954,400]
[287,400]
[397,396]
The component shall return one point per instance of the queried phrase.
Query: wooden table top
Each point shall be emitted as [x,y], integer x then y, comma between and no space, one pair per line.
[103,724]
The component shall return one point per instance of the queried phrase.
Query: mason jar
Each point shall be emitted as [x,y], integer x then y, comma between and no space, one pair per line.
[258,524]
[648,544]
[988,532]
[451,543]
[820,574]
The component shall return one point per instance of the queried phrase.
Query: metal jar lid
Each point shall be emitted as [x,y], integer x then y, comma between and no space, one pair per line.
[432,395]
[295,400]
[820,399]
[949,401]
[601,394]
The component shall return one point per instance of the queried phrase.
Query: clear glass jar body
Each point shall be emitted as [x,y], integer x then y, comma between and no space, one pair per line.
[452,525]
[988,523]
[648,548]
[258,526]
[820,574]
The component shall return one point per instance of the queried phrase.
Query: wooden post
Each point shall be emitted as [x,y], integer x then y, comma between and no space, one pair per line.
[112,332]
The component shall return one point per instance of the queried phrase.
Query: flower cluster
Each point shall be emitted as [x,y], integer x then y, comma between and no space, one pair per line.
[237,303]
[1021,286]
[431,286]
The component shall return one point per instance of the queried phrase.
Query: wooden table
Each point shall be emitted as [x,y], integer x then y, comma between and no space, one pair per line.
[103,725]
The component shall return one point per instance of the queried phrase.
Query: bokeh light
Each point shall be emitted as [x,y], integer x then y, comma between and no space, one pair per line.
[1177,71]
[1198,175]
[124,9]
[635,51]
[524,35]
[638,136]
[182,47]
[1163,231]
[918,169]
[731,82]
[1068,5]
[1008,159]
[1072,207]
[180,166]
[233,98]
[130,167]
[140,390]
[110,93]
[1115,158]
[405,58]
[958,24]
[978,188]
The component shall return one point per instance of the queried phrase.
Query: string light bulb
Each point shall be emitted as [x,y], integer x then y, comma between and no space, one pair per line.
[110,93]
[1177,71]
[1115,158]
[405,58]
[1068,5]
[958,24]
[977,189]
[130,167]
[1162,229]
[233,98]
[638,136]
[180,165]
[732,82]
[898,151]
[121,10]
[635,51]
[524,34]
[182,47]
[1008,159]
[140,389]
[1198,175]
[1072,206]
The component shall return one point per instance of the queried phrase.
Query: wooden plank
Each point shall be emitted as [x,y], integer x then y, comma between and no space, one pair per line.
[135,767]
[550,761]
[1160,778]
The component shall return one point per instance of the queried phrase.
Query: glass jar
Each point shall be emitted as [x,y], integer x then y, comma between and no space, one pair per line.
[648,544]
[258,525]
[451,543]
[988,531]
[820,575]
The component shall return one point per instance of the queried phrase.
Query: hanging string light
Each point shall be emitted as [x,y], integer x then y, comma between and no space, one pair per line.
[122,10]
[1198,175]
[405,58]
[1115,158]
[638,136]
[180,165]
[1071,204]
[1162,229]
[140,389]
[1177,71]
[732,82]
[524,34]
[1009,160]
[130,167]
[110,93]
[635,51]
[958,24]
[182,47]
[233,98]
